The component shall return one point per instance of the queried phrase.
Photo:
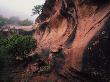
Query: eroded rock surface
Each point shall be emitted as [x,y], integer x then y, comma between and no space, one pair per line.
[79,30]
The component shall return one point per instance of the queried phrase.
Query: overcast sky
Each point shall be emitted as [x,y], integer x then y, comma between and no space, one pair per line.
[21,8]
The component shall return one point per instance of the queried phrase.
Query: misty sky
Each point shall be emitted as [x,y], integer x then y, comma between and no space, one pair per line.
[21,8]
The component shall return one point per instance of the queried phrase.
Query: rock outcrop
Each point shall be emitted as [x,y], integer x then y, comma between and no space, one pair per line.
[79,29]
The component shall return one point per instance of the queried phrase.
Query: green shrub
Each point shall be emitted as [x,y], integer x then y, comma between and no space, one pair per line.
[16,46]
[11,48]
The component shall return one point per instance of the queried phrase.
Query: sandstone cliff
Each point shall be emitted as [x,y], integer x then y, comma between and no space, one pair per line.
[79,30]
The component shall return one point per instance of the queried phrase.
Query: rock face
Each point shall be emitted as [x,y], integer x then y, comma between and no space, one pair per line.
[80,30]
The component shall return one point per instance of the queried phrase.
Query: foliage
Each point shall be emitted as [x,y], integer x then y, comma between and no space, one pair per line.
[11,48]
[3,21]
[2,34]
[25,22]
[16,46]
[37,9]
[13,20]
[44,10]
[23,32]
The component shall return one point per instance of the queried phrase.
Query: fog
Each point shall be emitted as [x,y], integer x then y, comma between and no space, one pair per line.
[20,8]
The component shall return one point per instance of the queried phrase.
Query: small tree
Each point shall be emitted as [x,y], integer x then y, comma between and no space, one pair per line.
[37,9]
[25,22]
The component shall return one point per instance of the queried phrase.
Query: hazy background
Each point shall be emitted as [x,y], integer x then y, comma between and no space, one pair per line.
[19,8]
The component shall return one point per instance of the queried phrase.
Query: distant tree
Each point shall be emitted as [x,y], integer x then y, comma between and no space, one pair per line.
[3,21]
[13,20]
[37,9]
[25,22]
